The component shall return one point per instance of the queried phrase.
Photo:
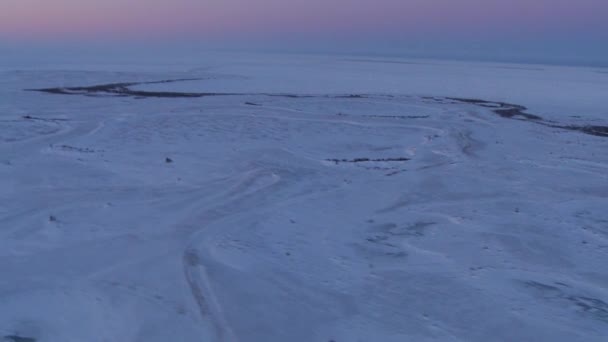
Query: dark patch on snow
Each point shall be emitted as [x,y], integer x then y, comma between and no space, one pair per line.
[503,109]
[289,96]
[397,116]
[351,96]
[17,338]
[416,229]
[518,112]
[468,144]
[29,117]
[592,307]
[124,90]
[395,172]
[191,258]
[387,238]
[384,246]
[367,160]
[75,149]
[599,131]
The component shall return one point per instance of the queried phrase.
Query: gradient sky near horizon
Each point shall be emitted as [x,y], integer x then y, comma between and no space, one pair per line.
[558,22]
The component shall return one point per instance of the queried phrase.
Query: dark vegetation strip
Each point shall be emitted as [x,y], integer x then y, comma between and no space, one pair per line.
[518,112]
[29,117]
[367,160]
[503,109]
[397,116]
[402,117]
[124,89]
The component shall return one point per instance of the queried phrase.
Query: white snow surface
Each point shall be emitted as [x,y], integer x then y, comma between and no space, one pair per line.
[324,199]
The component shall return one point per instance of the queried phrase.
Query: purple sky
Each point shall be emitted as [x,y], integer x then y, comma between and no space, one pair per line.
[554,22]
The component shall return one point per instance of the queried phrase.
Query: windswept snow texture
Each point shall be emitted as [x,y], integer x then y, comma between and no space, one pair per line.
[285,198]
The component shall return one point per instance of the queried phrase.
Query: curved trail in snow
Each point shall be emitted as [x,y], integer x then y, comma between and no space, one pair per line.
[250,194]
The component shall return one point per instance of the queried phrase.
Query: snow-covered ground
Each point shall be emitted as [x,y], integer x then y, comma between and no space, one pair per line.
[303,198]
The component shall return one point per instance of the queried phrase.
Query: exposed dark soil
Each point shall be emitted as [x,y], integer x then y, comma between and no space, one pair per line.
[367,160]
[124,89]
[75,149]
[29,117]
[402,117]
[505,110]
[398,116]
[514,112]
[352,96]
[502,109]
[517,112]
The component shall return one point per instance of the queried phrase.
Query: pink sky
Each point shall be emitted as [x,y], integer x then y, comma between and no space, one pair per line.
[216,19]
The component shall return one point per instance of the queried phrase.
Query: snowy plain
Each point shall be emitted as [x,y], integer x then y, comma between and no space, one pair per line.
[245,197]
